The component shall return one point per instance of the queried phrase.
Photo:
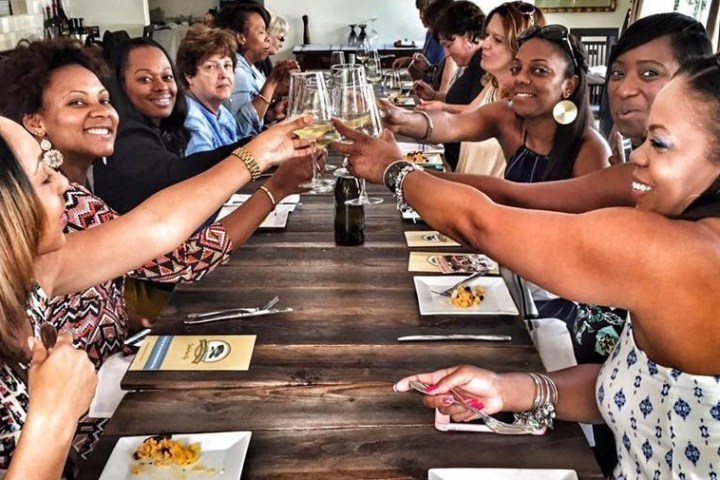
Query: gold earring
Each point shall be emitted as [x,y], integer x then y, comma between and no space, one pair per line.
[52,157]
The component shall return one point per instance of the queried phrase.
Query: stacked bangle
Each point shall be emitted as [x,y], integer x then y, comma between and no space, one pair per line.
[542,412]
[269,194]
[430,126]
[246,157]
[394,177]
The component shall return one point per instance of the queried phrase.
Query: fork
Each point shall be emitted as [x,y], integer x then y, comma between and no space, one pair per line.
[267,306]
[492,423]
[447,292]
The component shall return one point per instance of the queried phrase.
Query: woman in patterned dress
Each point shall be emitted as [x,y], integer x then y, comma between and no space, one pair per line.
[660,389]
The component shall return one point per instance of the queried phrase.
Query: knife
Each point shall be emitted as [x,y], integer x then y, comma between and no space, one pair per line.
[454,337]
[258,313]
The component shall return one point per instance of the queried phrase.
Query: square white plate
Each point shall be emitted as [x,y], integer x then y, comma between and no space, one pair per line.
[406,147]
[410,214]
[497,297]
[276,219]
[500,474]
[240,198]
[222,451]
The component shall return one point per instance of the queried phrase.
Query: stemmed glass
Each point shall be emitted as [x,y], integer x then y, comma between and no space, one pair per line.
[308,94]
[346,75]
[373,68]
[337,57]
[392,84]
[355,106]
[373,35]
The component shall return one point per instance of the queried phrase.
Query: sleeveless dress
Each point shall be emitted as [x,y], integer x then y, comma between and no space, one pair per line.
[526,166]
[666,422]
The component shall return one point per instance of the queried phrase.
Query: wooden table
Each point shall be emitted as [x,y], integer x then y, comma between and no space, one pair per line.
[318,397]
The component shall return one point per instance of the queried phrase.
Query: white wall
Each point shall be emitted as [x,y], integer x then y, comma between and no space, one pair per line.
[130,15]
[592,19]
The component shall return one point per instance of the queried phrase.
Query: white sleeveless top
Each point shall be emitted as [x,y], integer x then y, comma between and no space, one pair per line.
[666,423]
[485,157]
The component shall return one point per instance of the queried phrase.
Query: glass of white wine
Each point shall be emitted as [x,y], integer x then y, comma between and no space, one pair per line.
[355,106]
[373,68]
[308,94]
[342,76]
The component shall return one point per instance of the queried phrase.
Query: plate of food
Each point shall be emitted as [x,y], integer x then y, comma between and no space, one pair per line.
[423,158]
[479,296]
[401,100]
[192,456]
[500,474]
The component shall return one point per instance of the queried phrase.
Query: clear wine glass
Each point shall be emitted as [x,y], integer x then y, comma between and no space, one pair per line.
[392,84]
[346,75]
[309,94]
[373,68]
[337,57]
[355,106]
[373,35]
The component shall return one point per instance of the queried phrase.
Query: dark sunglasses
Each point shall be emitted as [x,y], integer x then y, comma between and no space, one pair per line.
[523,8]
[554,33]
[281,39]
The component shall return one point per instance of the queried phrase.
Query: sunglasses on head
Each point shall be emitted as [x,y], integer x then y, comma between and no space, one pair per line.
[523,8]
[555,33]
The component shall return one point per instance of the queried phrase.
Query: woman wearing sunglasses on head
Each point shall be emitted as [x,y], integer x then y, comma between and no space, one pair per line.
[658,391]
[545,131]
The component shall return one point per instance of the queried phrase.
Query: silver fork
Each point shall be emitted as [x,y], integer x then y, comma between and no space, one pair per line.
[447,292]
[267,306]
[492,423]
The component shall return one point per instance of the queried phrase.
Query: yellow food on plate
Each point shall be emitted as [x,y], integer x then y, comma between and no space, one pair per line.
[466,297]
[416,157]
[161,450]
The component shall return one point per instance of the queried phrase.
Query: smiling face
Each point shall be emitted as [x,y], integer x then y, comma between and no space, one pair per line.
[149,83]
[49,184]
[539,80]
[460,48]
[496,55]
[76,115]
[672,166]
[636,77]
[254,43]
[213,82]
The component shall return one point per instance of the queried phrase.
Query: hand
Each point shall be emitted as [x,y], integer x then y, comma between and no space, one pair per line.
[616,147]
[292,173]
[62,382]
[401,62]
[423,90]
[276,112]
[432,106]
[278,143]
[471,383]
[282,69]
[418,66]
[392,115]
[368,157]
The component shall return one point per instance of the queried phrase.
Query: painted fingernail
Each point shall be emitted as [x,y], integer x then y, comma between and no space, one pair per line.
[395,388]
[448,400]
[431,388]
[476,403]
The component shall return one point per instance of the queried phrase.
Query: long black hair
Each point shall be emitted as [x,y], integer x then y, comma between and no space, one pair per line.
[174,135]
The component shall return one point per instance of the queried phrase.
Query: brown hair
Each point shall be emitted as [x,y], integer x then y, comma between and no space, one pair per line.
[199,43]
[20,230]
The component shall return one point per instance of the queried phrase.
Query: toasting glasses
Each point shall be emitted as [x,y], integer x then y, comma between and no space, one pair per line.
[346,75]
[308,94]
[355,106]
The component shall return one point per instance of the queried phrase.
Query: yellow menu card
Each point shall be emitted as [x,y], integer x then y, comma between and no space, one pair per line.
[195,352]
[429,262]
[429,239]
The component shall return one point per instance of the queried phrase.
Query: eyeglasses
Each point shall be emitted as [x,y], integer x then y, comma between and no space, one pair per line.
[281,38]
[523,8]
[555,33]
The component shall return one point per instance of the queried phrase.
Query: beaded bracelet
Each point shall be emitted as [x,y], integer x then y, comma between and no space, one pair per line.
[400,179]
[542,412]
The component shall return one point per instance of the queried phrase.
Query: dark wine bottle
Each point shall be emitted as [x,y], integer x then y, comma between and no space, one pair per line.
[349,219]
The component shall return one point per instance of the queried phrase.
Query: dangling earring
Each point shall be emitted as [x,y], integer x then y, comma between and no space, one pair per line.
[52,157]
[565,111]
[104,160]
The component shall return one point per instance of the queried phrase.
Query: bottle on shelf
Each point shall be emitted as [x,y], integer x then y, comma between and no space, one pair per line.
[306,30]
[349,219]
[82,31]
[352,38]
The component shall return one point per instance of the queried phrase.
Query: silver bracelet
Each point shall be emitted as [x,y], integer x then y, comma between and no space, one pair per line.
[400,179]
[543,409]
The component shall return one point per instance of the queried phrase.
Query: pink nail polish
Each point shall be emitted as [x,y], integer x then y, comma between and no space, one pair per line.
[476,403]
[431,388]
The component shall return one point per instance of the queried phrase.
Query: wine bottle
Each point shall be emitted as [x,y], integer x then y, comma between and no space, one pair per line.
[349,219]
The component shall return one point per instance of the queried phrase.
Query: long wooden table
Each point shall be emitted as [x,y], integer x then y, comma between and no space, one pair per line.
[318,396]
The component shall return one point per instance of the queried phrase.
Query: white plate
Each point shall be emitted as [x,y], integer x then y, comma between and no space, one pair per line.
[276,219]
[500,474]
[406,147]
[497,297]
[222,451]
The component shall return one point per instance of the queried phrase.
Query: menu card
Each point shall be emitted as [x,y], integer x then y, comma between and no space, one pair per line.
[443,262]
[195,352]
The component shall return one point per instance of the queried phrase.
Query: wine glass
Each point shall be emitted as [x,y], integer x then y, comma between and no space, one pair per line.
[373,68]
[308,94]
[363,51]
[346,75]
[337,57]
[373,35]
[355,106]
[392,84]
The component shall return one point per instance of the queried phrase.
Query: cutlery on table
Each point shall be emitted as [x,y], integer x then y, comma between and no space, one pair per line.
[455,337]
[447,292]
[267,306]
[492,423]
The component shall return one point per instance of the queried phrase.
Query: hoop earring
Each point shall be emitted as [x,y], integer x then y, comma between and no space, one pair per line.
[52,157]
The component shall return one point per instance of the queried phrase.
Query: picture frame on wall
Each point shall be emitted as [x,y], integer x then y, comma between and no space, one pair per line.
[568,6]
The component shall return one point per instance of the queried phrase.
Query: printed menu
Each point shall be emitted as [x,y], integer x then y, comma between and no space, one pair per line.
[195,352]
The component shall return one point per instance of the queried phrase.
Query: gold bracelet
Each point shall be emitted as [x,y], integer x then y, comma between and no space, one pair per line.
[264,98]
[269,194]
[247,158]
[429,121]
